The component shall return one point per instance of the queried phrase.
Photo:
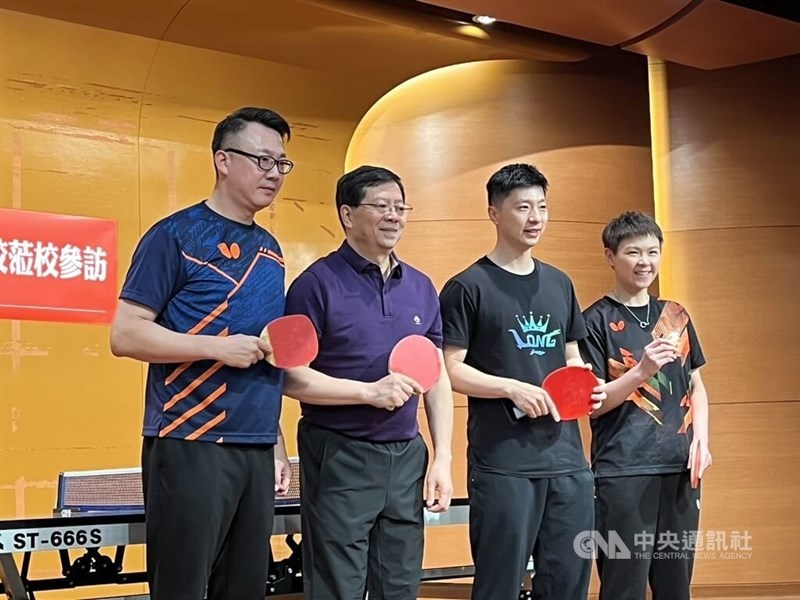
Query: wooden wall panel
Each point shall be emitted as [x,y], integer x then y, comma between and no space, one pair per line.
[732,257]
[447,546]
[741,288]
[735,146]
[752,487]
[443,248]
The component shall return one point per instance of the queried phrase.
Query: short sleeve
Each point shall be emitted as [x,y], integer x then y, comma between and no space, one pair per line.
[434,332]
[593,350]
[458,315]
[696,357]
[156,271]
[305,297]
[577,326]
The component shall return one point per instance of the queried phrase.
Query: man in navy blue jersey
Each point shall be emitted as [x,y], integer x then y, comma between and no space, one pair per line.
[202,285]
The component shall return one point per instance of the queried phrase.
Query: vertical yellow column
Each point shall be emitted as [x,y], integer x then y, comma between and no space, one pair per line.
[660,147]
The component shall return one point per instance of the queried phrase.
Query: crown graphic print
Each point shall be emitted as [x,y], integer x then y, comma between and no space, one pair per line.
[537,339]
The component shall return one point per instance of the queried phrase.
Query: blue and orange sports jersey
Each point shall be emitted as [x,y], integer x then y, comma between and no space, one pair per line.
[204,274]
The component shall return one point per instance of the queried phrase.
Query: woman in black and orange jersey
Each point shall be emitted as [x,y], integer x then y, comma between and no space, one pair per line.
[650,437]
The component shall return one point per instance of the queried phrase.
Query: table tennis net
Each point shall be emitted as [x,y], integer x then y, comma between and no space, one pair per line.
[121,490]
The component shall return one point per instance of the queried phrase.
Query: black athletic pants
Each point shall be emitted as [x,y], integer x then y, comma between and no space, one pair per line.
[656,517]
[512,518]
[208,513]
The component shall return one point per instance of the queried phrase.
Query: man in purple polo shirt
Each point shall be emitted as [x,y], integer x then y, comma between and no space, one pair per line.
[362,459]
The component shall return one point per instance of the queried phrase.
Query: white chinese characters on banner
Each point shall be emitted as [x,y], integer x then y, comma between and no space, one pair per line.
[45,259]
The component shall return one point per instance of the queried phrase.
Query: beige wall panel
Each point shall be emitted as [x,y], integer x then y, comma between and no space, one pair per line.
[731,257]
[741,287]
[447,546]
[735,146]
[443,248]
[752,487]
[573,193]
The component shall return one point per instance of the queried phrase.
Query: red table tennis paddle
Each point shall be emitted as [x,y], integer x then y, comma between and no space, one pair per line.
[293,339]
[417,357]
[694,464]
[571,391]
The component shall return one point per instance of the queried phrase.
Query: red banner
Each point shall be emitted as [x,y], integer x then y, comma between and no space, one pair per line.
[57,267]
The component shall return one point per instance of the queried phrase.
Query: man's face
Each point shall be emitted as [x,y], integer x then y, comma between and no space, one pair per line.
[636,262]
[250,186]
[521,218]
[376,224]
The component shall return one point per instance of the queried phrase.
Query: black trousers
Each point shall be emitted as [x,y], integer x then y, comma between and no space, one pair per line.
[656,517]
[512,518]
[208,519]
[361,516]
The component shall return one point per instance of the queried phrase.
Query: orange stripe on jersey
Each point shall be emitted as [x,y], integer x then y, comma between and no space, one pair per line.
[210,266]
[245,276]
[275,256]
[193,386]
[193,411]
[209,318]
[217,311]
[211,424]
[174,375]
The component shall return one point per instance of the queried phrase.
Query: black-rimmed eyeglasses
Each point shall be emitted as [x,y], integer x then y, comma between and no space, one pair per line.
[266,162]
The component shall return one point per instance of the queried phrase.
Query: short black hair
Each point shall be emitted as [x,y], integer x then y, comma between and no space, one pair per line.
[512,177]
[352,187]
[630,225]
[238,120]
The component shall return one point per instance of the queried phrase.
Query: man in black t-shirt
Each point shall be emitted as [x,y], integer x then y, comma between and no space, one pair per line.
[653,425]
[509,320]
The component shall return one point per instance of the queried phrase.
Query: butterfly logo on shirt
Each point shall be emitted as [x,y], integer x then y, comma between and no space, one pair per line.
[618,326]
[231,251]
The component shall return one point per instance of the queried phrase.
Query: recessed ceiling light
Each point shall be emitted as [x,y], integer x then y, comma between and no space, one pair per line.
[483,19]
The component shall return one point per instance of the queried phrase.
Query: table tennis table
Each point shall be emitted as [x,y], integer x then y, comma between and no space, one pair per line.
[99,514]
